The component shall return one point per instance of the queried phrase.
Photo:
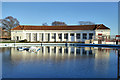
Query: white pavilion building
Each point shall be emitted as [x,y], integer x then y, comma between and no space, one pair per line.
[78,33]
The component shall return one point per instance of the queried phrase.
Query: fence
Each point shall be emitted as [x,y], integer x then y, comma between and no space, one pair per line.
[103,39]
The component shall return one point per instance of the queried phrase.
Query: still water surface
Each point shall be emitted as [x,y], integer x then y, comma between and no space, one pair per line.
[60,62]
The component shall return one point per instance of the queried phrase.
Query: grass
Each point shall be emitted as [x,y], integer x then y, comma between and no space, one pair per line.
[39,42]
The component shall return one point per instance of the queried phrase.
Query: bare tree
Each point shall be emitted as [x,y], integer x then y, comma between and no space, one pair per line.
[45,24]
[58,23]
[86,23]
[9,23]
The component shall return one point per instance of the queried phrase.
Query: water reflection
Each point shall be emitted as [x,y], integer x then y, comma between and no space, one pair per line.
[73,62]
[53,52]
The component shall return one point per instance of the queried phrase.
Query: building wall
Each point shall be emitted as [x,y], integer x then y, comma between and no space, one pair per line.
[18,33]
[102,31]
[105,34]
[38,35]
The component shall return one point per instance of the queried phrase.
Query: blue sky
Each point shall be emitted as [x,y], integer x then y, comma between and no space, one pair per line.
[36,13]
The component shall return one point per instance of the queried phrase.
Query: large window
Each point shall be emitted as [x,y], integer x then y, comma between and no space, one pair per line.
[35,36]
[60,36]
[72,34]
[66,36]
[84,35]
[90,35]
[53,35]
[78,36]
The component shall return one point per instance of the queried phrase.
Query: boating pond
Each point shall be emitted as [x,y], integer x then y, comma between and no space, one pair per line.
[60,62]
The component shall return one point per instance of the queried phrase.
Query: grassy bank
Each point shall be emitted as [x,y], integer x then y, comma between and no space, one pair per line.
[39,42]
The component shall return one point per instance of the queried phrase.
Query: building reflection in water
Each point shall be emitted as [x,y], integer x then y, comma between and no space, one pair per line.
[102,59]
[56,53]
[85,60]
[62,53]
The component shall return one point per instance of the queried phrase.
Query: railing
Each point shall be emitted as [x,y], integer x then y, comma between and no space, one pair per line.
[111,38]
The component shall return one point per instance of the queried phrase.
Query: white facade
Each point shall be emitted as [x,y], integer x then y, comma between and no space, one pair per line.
[103,32]
[56,35]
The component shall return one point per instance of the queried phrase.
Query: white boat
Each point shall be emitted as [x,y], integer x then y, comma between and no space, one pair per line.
[22,48]
[34,49]
[31,49]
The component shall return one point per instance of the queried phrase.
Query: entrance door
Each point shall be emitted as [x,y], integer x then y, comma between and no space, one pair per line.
[99,41]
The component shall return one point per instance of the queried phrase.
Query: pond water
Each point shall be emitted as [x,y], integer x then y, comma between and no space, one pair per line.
[60,62]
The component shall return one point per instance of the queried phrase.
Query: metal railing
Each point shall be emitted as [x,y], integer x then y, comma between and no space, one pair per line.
[111,38]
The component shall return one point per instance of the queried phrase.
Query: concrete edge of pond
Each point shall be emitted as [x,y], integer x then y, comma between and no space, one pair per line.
[101,45]
[57,44]
[96,45]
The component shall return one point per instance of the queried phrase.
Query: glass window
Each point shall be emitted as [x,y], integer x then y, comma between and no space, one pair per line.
[72,34]
[90,35]
[78,36]
[60,36]
[53,36]
[84,35]
[66,36]
[35,36]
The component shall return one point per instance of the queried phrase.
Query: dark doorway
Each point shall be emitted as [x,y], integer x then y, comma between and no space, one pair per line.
[17,37]
[99,41]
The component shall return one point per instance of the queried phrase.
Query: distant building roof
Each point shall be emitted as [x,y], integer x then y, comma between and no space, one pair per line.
[78,27]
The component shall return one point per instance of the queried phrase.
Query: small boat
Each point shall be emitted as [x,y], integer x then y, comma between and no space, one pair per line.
[34,49]
[27,49]
[31,49]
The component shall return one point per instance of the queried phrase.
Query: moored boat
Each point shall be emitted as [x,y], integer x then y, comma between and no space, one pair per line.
[31,49]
